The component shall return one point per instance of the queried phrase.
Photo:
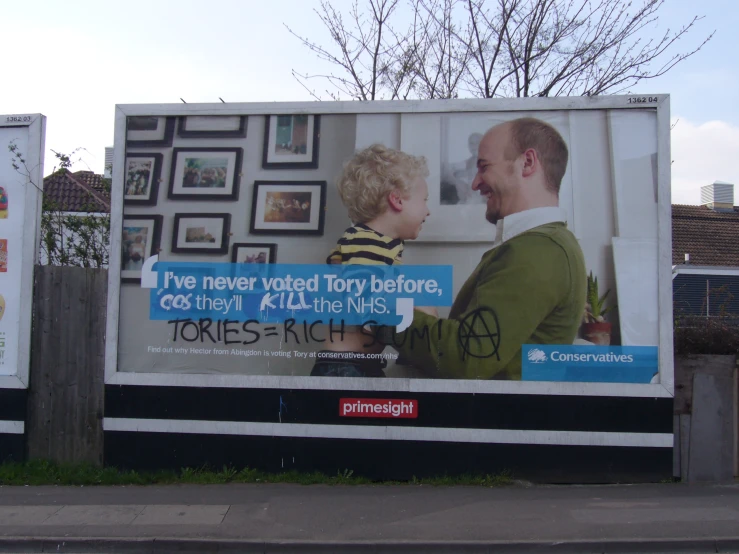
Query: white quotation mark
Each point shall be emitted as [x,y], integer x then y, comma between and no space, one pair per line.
[148,276]
[404,308]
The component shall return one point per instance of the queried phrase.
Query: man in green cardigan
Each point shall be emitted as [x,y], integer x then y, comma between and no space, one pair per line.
[529,288]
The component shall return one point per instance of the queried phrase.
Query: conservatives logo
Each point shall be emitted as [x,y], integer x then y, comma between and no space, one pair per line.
[608,357]
[537,356]
[588,363]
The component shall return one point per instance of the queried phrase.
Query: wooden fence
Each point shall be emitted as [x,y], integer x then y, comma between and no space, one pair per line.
[66,386]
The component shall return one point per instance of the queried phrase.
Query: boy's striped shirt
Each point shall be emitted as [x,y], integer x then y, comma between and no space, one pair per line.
[363,245]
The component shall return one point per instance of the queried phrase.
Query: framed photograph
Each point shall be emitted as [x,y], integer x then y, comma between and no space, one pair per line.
[143,172]
[288,208]
[291,141]
[149,131]
[201,233]
[212,126]
[141,240]
[253,253]
[205,174]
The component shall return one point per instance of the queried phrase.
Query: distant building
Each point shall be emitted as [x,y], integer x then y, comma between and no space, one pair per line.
[108,171]
[705,254]
[81,191]
[70,195]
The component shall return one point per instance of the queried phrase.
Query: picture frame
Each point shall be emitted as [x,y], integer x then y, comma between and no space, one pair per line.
[205,174]
[201,233]
[141,240]
[214,126]
[149,131]
[142,175]
[291,141]
[253,252]
[288,207]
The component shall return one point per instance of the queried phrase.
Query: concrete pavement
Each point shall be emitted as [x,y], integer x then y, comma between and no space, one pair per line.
[297,518]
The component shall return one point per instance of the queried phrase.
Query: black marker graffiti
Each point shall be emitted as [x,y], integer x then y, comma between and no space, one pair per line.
[487,341]
[478,334]
[229,332]
[422,334]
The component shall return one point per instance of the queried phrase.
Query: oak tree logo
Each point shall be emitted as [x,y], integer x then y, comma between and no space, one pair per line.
[537,356]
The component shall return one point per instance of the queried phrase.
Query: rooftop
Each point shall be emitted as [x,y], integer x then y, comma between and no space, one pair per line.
[710,237]
[93,180]
[82,191]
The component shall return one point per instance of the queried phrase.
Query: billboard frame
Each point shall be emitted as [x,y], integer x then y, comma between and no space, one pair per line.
[32,201]
[659,102]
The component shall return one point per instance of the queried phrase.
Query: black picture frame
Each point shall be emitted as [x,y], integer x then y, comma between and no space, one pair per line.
[271,247]
[271,161]
[261,205]
[156,177]
[222,248]
[129,275]
[177,173]
[164,142]
[183,132]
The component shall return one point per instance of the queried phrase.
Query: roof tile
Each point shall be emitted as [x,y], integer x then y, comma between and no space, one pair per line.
[710,237]
[72,194]
[89,178]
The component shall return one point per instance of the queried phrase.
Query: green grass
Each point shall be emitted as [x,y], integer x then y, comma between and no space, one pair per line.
[42,472]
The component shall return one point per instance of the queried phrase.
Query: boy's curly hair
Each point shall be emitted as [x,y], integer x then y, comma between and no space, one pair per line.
[372,174]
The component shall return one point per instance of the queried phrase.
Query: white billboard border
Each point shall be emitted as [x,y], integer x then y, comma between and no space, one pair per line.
[663,389]
[32,201]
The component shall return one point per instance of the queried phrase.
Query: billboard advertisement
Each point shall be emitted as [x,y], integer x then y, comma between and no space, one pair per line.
[381,246]
[21,168]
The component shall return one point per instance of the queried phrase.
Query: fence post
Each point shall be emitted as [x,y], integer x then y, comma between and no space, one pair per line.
[66,383]
[706,410]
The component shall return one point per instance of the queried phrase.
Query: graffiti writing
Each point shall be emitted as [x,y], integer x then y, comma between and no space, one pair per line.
[235,332]
[478,334]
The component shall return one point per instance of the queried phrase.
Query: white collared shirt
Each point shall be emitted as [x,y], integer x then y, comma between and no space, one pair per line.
[515,224]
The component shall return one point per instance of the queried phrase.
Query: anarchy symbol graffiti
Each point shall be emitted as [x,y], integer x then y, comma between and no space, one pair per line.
[479,334]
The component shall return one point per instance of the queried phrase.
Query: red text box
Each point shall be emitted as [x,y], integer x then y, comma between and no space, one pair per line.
[378,407]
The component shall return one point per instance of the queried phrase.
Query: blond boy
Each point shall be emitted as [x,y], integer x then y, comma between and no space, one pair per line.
[386,194]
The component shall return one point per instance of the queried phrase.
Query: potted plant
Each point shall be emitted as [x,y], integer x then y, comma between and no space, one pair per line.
[595,328]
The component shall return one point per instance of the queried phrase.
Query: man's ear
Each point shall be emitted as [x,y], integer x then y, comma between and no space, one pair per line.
[395,200]
[530,162]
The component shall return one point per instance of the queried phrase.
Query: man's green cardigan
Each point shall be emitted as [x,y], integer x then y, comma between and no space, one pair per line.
[529,290]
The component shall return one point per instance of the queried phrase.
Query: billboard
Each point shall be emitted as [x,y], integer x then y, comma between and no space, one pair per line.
[225,216]
[21,170]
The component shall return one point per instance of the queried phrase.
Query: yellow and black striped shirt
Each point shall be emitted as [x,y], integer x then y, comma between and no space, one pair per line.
[363,245]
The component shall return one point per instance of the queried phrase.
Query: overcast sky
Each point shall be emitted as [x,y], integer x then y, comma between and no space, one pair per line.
[74,61]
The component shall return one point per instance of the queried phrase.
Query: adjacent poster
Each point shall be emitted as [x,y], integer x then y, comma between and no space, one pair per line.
[21,169]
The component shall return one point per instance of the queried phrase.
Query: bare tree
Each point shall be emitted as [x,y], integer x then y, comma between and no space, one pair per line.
[494,48]
[371,55]
[441,49]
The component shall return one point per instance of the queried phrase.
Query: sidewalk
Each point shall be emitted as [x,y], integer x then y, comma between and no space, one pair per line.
[296,518]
